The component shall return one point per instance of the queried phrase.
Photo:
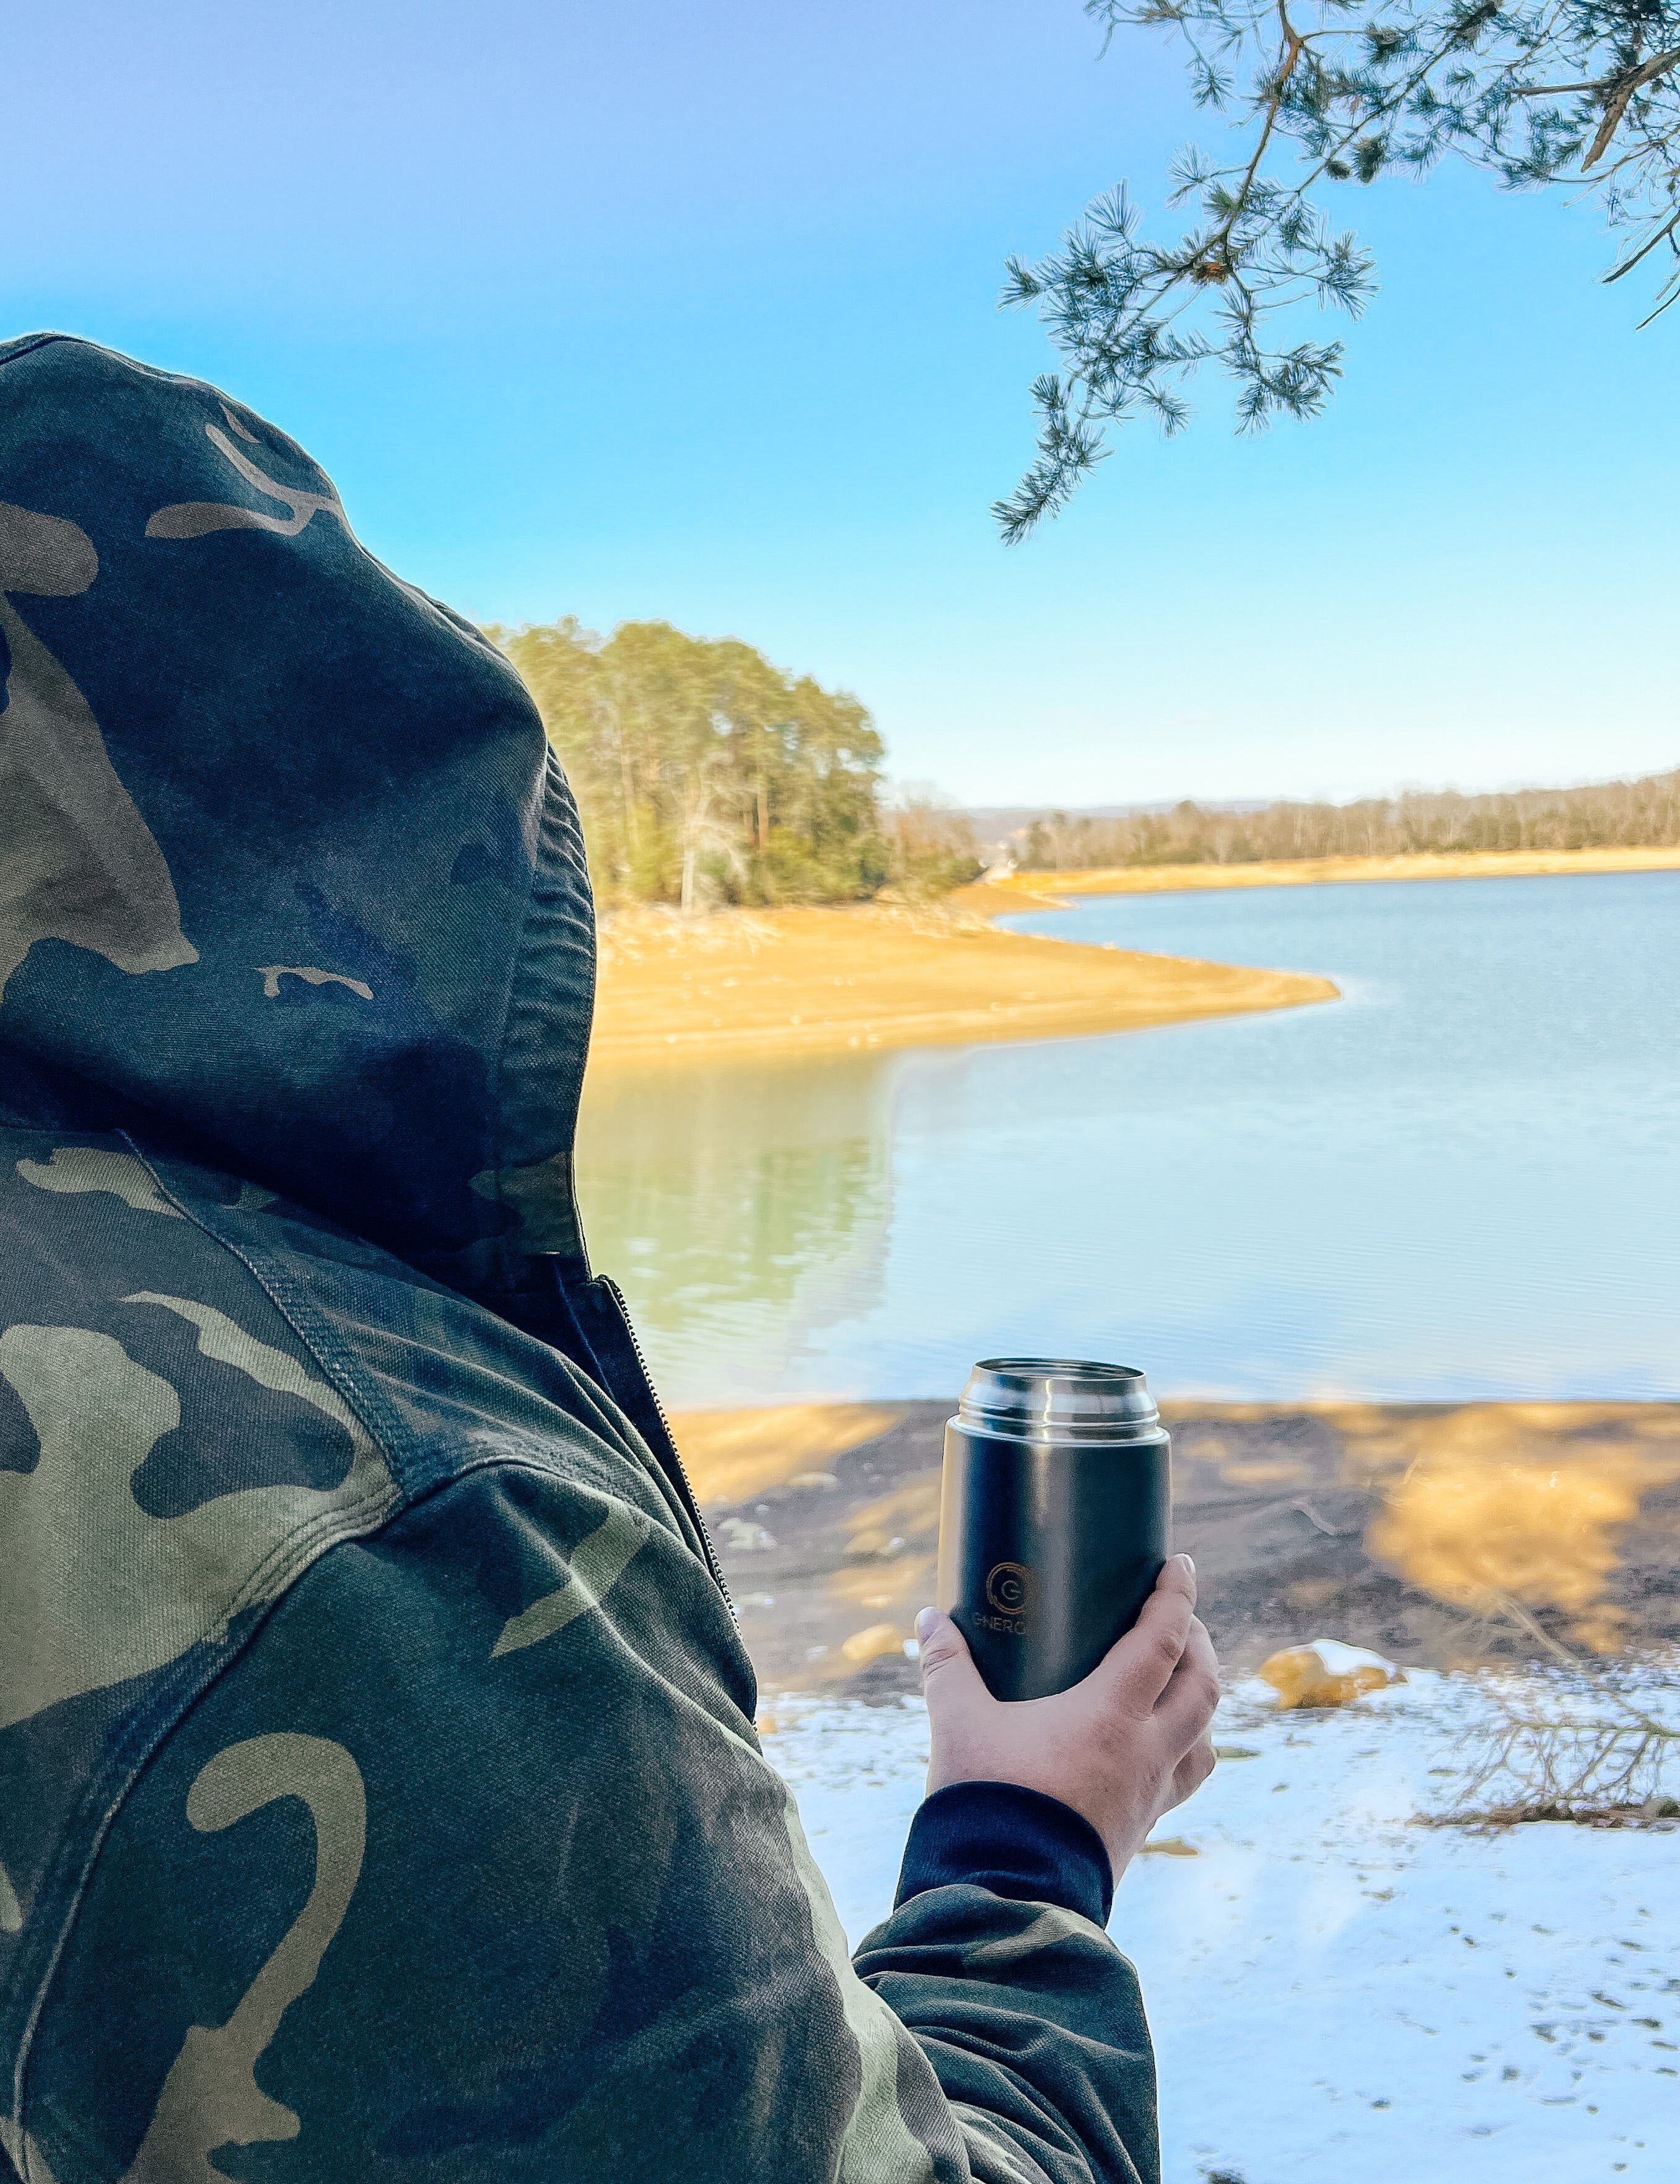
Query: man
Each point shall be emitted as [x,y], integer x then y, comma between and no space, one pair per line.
[379,1795]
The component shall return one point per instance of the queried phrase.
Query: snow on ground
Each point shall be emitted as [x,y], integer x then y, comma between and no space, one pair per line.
[1339,1995]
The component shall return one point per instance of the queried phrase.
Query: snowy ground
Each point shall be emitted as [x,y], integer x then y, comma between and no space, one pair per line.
[1339,1997]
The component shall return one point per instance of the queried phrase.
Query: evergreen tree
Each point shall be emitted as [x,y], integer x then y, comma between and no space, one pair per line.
[703,774]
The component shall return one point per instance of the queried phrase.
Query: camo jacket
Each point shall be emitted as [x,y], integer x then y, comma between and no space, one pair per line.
[379,1793]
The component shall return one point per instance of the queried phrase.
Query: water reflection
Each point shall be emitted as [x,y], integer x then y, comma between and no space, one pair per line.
[742,1209]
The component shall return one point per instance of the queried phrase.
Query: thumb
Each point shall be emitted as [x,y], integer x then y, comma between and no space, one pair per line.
[949,1675]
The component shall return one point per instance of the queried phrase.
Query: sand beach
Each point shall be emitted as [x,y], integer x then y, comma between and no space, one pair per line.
[1323,872]
[832,981]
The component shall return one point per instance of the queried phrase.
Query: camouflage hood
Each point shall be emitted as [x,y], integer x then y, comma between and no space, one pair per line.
[289,876]
[380,1799]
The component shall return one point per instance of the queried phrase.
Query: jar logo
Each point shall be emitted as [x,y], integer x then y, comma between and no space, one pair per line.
[1009,1588]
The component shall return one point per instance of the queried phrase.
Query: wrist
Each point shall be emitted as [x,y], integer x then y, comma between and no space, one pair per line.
[1012,1839]
[1058,1784]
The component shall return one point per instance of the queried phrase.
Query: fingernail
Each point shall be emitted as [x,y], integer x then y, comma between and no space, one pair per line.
[925,1621]
[1189,1567]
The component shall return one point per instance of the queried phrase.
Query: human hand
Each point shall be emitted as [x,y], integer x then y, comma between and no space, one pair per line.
[1122,1748]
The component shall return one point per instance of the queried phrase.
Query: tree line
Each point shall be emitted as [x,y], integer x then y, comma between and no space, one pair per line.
[704,774]
[1643,814]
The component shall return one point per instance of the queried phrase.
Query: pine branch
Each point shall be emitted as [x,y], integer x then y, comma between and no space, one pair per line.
[1357,90]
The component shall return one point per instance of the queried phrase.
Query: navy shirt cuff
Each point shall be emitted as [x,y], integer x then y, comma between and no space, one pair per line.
[1016,1842]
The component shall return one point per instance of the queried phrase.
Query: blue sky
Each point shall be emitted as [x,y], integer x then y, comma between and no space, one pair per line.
[691,311]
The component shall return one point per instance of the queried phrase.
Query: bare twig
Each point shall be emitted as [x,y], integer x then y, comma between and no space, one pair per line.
[1569,1745]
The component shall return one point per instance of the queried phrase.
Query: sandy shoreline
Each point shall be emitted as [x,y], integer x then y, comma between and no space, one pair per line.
[757,984]
[1444,1536]
[1323,872]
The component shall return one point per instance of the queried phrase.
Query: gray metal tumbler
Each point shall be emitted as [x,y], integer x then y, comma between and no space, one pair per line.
[1055,1517]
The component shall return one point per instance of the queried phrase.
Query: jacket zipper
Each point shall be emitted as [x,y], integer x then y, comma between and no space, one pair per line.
[670,1456]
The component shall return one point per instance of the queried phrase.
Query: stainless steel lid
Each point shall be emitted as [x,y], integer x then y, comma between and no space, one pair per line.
[1059,1399]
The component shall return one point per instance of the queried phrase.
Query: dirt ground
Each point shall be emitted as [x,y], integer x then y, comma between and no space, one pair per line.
[757,983]
[1442,1535]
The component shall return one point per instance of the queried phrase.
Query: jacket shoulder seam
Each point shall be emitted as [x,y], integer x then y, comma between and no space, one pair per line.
[311,1327]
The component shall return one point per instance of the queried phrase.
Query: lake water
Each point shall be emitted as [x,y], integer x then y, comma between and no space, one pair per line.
[1461,1179]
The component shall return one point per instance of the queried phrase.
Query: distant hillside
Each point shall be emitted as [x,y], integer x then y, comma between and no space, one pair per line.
[1644,814]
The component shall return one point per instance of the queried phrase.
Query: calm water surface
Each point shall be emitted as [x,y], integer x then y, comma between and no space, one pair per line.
[1463,1179]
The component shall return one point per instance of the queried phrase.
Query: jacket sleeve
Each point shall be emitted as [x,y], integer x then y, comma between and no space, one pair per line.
[467,1869]
[996,1958]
